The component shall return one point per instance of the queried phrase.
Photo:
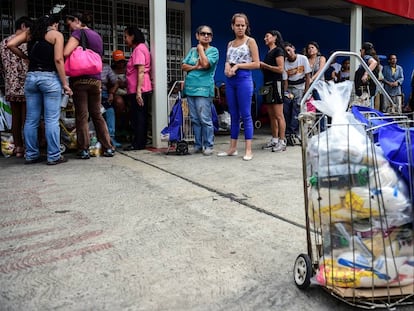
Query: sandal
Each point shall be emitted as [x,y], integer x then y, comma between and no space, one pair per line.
[19,152]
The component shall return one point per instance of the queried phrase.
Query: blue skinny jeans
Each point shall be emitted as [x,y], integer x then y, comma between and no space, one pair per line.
[239,92]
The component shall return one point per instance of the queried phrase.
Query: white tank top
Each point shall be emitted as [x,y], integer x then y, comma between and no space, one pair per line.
[240,54]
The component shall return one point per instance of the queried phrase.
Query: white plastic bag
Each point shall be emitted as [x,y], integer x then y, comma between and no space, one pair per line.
[5,114]
[346,140]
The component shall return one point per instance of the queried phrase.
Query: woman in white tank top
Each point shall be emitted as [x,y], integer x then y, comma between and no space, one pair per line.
[242,58]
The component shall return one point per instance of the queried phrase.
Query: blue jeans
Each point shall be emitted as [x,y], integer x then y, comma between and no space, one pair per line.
[109,114]
[291,110]
[201,120]
[43,92]
[239,92]
[110,120]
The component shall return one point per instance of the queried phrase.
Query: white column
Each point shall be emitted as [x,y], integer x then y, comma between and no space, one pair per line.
[158,45]
[355,34]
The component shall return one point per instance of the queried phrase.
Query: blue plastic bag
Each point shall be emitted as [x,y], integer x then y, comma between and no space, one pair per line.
[392,138]
[397,144]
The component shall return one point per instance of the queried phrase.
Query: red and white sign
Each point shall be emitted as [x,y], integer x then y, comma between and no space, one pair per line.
[404,8]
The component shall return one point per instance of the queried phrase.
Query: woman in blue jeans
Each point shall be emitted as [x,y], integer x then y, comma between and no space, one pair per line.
[200,65]
[242,57]
[45,82]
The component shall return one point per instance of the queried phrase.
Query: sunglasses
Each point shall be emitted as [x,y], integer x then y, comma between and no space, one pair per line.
[205,34]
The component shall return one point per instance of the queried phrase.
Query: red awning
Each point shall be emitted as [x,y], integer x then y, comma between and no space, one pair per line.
[403,8]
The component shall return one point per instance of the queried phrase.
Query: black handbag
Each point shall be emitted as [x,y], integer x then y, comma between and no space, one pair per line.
[267,92]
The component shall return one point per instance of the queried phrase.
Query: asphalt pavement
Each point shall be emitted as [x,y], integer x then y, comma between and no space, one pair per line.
[149,231]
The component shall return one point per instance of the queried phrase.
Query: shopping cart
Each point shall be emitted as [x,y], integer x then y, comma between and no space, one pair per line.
[358,207]
[179,132]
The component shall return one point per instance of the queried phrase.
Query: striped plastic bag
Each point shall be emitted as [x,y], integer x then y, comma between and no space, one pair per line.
[5,115]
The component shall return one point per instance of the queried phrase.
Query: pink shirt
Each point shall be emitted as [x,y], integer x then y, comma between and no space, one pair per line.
[140,56]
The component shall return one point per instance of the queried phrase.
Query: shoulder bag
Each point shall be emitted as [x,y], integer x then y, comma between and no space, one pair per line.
[267,92]
[83,61]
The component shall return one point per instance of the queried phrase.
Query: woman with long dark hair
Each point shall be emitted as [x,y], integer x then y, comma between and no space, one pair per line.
[87,89]
[43,86]
[362,80]
[272,68]
[139,86]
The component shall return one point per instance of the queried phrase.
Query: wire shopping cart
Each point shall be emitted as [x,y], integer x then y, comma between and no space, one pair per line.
[358,204]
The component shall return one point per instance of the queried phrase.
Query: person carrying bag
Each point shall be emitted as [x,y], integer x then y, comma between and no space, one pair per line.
[82,60]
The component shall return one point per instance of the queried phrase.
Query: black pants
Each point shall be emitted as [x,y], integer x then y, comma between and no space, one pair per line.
[139,119]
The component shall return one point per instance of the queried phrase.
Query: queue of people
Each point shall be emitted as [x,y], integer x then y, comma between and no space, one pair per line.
[35,55]
[35,79]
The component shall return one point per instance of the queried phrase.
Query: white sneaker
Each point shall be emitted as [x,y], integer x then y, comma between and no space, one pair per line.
[208,151]
[280,146]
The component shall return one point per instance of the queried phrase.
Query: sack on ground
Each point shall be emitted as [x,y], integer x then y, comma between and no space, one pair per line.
[224,120]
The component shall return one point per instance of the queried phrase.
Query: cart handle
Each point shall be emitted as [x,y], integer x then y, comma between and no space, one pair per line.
[328,64]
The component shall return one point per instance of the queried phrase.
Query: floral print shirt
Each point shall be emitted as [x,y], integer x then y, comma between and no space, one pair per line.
[14,71]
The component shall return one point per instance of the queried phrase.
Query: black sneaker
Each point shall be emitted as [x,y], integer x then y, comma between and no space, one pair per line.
[297,140]
[109,153]
[290,140]
[58,161]
[83,154]
[34,161]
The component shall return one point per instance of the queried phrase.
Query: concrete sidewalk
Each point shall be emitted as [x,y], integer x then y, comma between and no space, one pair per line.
[149,231]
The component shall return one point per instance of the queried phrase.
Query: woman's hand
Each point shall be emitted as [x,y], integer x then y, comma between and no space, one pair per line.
[233,70]
[364,77]
[110,97]
[139,99]
[67,90]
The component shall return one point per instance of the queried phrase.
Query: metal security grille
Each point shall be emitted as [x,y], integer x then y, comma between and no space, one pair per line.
[175,44]
[110,18]
[7,19]
[130,14]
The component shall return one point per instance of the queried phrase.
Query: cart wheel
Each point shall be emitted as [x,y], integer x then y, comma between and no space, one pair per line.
[302,271]
[258,124]
[182,147]
[62,148]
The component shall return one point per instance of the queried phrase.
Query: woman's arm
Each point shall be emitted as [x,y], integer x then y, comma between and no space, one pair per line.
[15,42]
[56,38]
[70,46]
[187,67]
[227,66]
[322,62]
[202,60]
[140,81]
[280,65]
[372,64]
